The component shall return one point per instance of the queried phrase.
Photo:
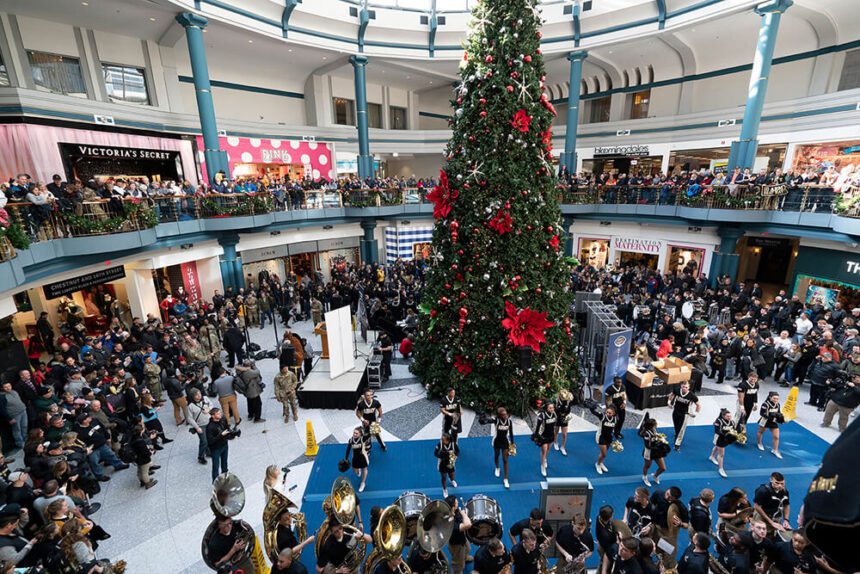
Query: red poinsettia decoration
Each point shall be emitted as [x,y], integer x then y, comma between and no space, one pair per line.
[442,197]
[553,242]
[526,328]
[462,364]
[546,138]
[521,121]
[502,222]
[544,99]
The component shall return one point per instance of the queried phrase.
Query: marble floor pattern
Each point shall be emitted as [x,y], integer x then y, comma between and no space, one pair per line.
[160,530]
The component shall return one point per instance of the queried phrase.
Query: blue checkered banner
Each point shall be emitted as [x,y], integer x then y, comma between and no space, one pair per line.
[400,241]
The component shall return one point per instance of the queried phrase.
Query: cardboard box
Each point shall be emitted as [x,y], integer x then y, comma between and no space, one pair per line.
[639,378]
[673,370]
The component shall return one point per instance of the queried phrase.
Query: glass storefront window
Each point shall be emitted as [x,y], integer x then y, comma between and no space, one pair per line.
[817,290]
[639,104]
[594,252]
[633,259]
[685,260]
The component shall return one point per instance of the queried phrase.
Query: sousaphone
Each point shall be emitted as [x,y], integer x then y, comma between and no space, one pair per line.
[276,505]
[389,538]
[228,500]
[435,527]
[340,505]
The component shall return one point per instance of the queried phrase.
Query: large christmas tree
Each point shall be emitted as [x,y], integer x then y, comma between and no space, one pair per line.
[499,283]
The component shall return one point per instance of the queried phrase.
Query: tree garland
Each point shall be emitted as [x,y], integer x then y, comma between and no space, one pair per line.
[255,205]
[146,218]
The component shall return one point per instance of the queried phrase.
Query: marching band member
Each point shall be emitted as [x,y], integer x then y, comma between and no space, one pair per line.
[681,413]
[771,418]
[458,545]
[733,510]
[617,397]
[389,566]
[491,558]
[605,434]
[369,410]
[502,440]
[562,409]
[337,547]
[747,398]
[725,433]
[696,557]
[574,544]
[360,457]
[656,449]
[637,513]
[544,433]
[422,562]
[447,452]
[286,537]
[452,412]
[526,554]
[771,503]
[287,564]
[535,522]
[625,559]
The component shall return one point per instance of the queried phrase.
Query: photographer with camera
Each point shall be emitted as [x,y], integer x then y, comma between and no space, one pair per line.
[844,398]
[218,433]
[822,372]
[198,419]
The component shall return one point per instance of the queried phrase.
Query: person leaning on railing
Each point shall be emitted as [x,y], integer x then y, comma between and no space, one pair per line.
[42,205]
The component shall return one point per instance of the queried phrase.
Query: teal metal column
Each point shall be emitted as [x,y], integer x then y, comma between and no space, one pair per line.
[365,160]
[368,246]
[568,156]
[726,261]
[228,262]
[742,153]
[567,221]
[216,160]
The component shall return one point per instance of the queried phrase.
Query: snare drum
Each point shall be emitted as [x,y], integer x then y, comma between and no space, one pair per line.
[412,503]
[486,517]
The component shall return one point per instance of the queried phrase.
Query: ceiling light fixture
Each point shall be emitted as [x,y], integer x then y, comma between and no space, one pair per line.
[325,57]
[85,3]
[151,19]
[250,41]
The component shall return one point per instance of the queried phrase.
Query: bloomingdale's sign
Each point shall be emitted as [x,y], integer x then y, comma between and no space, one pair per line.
[622,150]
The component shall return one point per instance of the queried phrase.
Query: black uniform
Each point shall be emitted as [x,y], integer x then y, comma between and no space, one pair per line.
[546,429]
[542,534]
[525,562]
[334,552]
[617,395]
[443,453]
[750,391]
[637,516]
[453,407]
[700,516]
[574,544]
[771,415]
[655,447]
[368,413]
[722,432]
[504,432]
[773,503]
[629,566]
[693,562]
[606,430]
[358,448]
[486,563]
[681,406]
[562,411]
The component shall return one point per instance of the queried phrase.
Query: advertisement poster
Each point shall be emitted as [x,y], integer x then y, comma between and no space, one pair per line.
[822,295]
[617,356]
[191,282]
[422,250]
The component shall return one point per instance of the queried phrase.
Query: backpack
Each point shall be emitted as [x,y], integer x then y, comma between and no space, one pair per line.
[126,453]
[239,385]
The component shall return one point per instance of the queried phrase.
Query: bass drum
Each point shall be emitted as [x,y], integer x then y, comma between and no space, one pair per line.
[486,517]
[412,503]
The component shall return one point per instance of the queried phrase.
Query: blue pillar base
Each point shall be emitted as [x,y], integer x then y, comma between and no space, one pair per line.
[365,166]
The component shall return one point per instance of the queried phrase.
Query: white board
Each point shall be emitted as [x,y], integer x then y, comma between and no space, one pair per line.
[338,325]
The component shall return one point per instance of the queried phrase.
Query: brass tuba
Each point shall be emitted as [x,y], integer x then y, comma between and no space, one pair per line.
[340,505]
[276,505]
[388,540]
[228,500]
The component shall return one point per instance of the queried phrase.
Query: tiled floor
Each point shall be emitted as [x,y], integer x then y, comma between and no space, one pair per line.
[160,530]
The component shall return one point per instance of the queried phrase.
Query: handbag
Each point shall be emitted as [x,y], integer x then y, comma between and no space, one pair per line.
[211,390]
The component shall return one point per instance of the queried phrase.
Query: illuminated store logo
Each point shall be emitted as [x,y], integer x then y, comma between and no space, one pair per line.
[853,267]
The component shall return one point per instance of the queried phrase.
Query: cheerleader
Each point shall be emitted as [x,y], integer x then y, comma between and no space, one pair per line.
[544,434]
[747,398]
[447,452]
[656,449]
[771,418]
[563,406]
[617,397]
[605,434]
[503,437]
[725,433]
[360,457]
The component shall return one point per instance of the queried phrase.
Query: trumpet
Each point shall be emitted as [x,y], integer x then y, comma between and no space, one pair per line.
[616,446]
[375,428]
[512,449]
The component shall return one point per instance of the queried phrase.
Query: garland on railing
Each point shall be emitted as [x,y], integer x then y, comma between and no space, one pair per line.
[256,205]
[16,236]
[372,197]
[146,219]
[711,198]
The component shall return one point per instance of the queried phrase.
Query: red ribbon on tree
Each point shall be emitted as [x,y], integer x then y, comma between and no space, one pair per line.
[526,328]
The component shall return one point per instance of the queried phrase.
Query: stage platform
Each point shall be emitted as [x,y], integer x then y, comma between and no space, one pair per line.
[320,391]
[411,466]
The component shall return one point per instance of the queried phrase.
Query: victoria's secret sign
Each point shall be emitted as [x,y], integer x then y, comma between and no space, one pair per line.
[637,245]
[110,152]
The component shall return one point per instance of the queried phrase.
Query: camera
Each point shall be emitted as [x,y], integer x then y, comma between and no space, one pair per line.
[233,433]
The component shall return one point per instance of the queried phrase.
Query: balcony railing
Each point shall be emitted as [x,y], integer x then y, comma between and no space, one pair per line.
[26,222]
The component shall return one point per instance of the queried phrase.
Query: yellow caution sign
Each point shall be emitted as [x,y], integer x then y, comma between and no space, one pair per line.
[257,559]
[311,448]
[789,409]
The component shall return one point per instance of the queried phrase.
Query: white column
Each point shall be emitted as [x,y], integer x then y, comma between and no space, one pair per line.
[142,297]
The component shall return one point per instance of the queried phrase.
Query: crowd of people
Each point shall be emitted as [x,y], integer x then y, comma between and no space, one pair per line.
[812,189]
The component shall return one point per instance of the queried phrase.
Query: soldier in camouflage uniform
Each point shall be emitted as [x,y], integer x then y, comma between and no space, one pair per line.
[285,391]
[152,378]
[251,310]
[209,340]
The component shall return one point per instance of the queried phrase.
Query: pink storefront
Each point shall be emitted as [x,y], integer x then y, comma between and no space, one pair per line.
[273,158]
[42,151]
